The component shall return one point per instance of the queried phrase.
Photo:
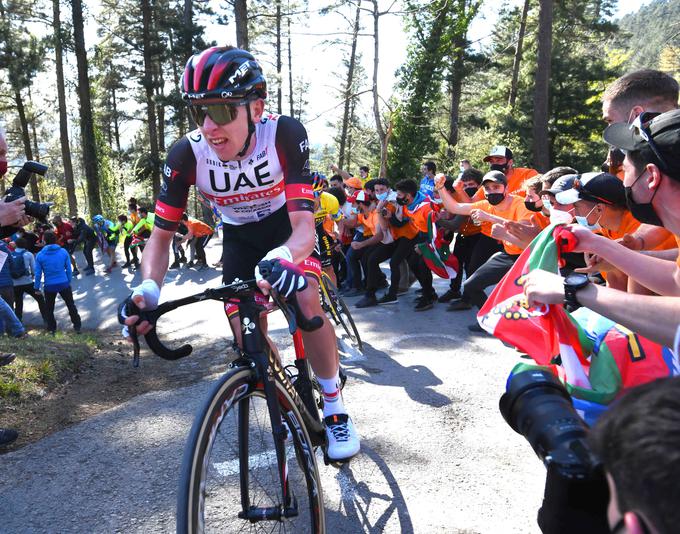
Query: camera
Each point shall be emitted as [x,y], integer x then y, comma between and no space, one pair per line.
[38,210]
[538,406]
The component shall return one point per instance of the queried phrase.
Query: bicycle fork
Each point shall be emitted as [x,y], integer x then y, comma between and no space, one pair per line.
[253,346]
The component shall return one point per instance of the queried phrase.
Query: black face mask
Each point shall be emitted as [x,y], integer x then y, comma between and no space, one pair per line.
[531,206]
[642,212]
[495,198]
[499,167]
[403,201]
[470,191]
[604,167]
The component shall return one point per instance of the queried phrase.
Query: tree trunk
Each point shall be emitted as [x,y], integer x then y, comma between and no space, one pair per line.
[181,115]
[518,55]
[290,74]
[456,88]
[26,139]
[63,120]
[376,103]
[279,81]
[541,140]
[188,44]
[86,123]
[160,107]
[348,90]
[241,17]
[148,83]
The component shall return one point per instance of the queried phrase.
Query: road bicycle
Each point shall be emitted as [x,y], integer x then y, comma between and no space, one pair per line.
[337,310]
[249,464]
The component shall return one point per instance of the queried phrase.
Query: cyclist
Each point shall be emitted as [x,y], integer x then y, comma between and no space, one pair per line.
[255,169]
[325,206]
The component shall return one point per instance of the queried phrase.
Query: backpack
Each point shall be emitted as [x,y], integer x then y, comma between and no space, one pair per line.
[17,267]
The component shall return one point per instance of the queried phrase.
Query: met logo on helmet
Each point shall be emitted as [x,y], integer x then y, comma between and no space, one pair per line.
[240,72]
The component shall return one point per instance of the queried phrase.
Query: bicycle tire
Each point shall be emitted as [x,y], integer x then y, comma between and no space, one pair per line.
[209,496]
[340,311]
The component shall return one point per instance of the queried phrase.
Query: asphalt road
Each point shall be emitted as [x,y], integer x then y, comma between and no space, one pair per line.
[436,455]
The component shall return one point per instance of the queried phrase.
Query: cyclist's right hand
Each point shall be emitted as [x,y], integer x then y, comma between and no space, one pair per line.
[145,296]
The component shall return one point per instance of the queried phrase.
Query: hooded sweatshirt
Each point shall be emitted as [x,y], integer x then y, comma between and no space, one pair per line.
[54,262]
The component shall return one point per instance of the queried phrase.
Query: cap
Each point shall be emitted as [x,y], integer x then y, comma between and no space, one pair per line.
[563,183]
[495,176]
[361,196]
[600,187]
[664,130]
[499,151]
[354,182]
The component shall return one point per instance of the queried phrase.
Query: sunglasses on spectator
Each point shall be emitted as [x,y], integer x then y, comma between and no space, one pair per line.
[641,124]
[219,113]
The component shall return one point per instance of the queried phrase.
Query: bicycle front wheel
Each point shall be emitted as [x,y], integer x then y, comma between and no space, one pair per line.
[340,311]
[230,460]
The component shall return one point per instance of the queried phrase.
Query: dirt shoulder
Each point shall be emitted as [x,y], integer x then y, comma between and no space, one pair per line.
[58,381]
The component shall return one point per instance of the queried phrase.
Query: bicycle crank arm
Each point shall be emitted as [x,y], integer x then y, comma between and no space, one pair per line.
[270,513]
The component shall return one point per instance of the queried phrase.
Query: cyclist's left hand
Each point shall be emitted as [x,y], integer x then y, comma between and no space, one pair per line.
[282,275]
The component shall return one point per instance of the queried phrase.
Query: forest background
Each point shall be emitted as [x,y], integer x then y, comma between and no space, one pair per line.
[89,87]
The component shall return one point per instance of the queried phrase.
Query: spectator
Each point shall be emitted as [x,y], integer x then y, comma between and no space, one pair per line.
[142,229]
[31,239]
[364,175]
[403,233]
[199,234]
[108,235]
[352,187]
[22,266]
[53,263]
[371,234]
[638,440]
[126,226]
[652,179]
[83,233]
[177,248]
[64,233]
[429,169]
[11,213]
[336,181]
[467,238]
[9,323]
[418,212]
[650,91]
[498,207]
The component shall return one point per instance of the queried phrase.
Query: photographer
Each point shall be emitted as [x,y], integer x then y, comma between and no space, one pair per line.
[637,441]
[11,213]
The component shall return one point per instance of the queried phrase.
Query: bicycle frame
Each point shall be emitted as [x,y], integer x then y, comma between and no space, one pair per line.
[266,370]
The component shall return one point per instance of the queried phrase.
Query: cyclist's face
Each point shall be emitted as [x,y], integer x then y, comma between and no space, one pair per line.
[227,140]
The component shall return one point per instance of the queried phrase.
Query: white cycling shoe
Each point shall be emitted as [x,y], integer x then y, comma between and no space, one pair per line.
[343,440]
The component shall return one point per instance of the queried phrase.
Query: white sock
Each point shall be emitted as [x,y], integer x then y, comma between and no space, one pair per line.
[332,397]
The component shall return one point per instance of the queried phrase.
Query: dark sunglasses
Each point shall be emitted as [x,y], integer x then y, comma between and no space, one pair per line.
[587,194]
[219,113]
[641,124]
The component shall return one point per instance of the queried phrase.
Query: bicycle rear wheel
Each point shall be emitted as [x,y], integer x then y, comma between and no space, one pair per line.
[339,310]
[213,482]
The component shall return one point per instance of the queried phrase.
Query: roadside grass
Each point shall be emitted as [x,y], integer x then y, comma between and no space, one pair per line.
[43,363]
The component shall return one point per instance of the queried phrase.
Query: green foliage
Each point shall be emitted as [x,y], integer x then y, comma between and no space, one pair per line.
[648,31]
[580,70]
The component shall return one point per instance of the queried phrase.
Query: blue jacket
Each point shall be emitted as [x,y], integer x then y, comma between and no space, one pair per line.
[5,274]
[53,261]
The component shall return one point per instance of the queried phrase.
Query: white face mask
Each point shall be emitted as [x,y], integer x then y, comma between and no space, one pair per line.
[560,217]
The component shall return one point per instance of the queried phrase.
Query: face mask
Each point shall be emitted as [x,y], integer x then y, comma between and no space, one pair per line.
[495,198]
[382,196]
[583,221]
[548,206]
[403,201]
[643,212]
[470,191]
[531,206]
[560,217]
[3,168]
[437,200]
[499,167]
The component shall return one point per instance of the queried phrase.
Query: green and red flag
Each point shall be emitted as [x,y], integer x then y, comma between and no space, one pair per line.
[436,252]
[596,358]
